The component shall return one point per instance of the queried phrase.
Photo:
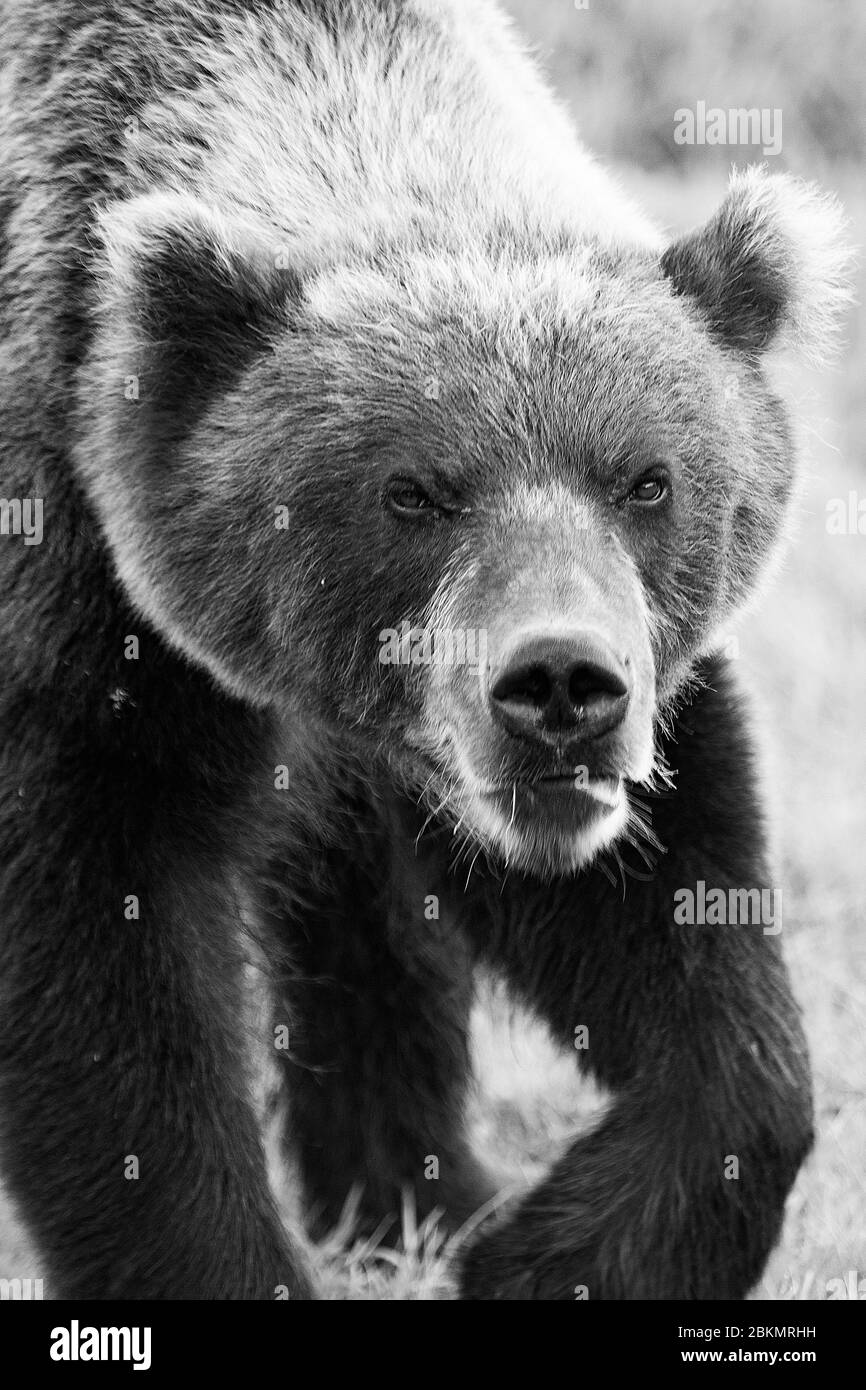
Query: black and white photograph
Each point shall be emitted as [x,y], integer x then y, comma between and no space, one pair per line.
[432,662]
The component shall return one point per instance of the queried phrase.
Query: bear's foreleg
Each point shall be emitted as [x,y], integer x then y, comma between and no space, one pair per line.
[679,1191]
[129,1142]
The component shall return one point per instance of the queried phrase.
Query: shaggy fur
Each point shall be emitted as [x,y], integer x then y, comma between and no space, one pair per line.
[346,264]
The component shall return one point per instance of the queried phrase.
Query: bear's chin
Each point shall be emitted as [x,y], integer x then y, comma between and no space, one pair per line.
[548,831]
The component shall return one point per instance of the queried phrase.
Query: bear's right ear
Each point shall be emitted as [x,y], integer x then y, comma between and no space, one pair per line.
[774,260]
[187,296]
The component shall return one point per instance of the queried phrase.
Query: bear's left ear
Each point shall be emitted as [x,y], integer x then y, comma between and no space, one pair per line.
[772,263]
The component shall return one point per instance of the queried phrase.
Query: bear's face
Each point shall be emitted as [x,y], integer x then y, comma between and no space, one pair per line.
[479,512]
[550,490]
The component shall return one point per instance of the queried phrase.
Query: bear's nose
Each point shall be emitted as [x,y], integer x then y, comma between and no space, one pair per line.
[550,685]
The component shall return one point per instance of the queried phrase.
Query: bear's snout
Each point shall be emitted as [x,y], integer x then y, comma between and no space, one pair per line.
[554,689]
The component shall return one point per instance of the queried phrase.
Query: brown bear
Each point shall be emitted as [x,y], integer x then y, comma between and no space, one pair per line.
[396,477]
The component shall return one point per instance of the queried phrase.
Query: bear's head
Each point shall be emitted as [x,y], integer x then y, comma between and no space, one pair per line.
[476,507]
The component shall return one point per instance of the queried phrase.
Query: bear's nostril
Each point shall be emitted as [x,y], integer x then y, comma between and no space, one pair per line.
[590,682]
[528,686]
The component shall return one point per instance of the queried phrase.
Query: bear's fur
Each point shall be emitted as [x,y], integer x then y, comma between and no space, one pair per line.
[317,319]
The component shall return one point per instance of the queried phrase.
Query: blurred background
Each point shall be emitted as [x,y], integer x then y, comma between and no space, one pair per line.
[624,67]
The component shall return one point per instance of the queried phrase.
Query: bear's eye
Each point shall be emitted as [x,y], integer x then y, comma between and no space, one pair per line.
[651,488]
[405,498]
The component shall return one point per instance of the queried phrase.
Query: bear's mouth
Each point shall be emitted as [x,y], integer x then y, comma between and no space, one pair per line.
[549,825]
[565,799]
[604,790]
